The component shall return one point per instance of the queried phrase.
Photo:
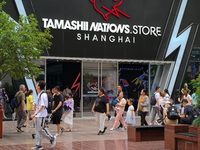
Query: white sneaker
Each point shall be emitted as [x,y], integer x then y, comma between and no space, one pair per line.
[53,142]
[56,135]
[124,128]
[111,129]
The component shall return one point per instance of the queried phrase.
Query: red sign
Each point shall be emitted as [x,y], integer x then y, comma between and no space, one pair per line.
[114,11]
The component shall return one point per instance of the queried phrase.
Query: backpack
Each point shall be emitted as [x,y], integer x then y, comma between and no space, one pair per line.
[172,113]
[50,100]
[153,99]
[14,103]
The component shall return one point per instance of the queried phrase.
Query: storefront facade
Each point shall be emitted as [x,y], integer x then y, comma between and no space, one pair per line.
[101,43]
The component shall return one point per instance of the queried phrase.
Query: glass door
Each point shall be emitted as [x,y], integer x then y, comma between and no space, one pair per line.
[95,76]
[90,86]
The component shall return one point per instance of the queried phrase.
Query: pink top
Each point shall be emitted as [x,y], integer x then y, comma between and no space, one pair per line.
[189,98]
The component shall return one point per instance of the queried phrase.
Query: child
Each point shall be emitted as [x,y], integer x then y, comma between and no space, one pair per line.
[68,112]
[130,117]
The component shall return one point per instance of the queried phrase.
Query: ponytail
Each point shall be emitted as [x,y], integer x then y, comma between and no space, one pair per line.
[29,92]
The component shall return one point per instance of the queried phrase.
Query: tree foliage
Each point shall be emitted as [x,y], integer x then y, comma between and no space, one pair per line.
[196,85]
[21,43]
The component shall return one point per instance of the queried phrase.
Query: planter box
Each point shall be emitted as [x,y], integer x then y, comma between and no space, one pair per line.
[145,133]
[182,137]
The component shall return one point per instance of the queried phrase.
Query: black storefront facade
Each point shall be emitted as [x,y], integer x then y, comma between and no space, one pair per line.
[103,43]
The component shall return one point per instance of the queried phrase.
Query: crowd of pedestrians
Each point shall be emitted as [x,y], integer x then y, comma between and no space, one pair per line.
[173,111]
[59,106]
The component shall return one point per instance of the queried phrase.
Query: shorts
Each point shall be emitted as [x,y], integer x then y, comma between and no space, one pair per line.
[29,113]
[56,118]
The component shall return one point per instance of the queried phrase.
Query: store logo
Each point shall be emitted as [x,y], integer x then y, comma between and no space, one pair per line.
[105,11]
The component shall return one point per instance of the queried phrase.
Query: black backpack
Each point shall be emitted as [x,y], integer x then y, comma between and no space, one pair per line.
[50,100]
[172,113]
[153,99]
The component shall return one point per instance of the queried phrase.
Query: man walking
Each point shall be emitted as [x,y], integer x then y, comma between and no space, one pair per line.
[156,106]
[57,109]
[40,115]
[20,110]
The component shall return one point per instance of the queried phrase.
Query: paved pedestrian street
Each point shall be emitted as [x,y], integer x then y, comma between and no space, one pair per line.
[83,137]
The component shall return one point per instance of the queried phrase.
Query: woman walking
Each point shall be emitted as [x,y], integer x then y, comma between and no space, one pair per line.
[119,111]
[143,107]
[29,107]
[68,112]
[167,96]
[177,99]
[188,97]
[162,102]
[101,107]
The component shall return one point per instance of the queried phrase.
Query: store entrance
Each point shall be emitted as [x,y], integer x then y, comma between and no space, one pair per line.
[133,78]
[65,74]
[96,75]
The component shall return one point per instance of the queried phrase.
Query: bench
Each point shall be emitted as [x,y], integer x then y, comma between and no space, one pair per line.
[182,137]
[145,133]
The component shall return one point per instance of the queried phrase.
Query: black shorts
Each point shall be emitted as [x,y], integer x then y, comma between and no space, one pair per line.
[56,118]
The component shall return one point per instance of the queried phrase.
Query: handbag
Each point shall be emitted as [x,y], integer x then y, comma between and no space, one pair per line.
[140,113]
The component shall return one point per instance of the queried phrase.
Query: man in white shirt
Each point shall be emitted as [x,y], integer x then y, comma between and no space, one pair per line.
[40,115]
[156,106]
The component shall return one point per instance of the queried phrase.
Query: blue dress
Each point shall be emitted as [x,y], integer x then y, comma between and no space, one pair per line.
[128,119]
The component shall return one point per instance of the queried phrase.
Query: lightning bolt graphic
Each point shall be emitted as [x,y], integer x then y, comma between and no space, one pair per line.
[115,12]
[76,84]
[178,41]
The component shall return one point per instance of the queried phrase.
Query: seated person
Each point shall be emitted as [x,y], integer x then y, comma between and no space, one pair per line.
[187,117]
[166,119]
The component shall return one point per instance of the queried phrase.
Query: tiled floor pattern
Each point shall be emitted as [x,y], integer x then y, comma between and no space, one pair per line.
[94,145]
[83,137]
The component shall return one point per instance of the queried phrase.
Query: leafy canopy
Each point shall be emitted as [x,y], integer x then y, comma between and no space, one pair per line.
[196,85]
[20,44]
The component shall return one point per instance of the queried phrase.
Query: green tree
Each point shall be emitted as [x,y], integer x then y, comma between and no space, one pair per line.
[196,85]
[21,43]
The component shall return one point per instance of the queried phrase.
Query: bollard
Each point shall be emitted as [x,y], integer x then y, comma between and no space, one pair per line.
[1,122]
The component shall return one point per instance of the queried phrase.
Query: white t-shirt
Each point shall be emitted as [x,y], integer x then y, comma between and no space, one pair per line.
[123,101]
[162,101]
[42,101]
[189,98]
[167,97]
[157,96]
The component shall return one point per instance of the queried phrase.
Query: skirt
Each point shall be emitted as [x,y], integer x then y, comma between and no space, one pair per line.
[68,118]
[129,120]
